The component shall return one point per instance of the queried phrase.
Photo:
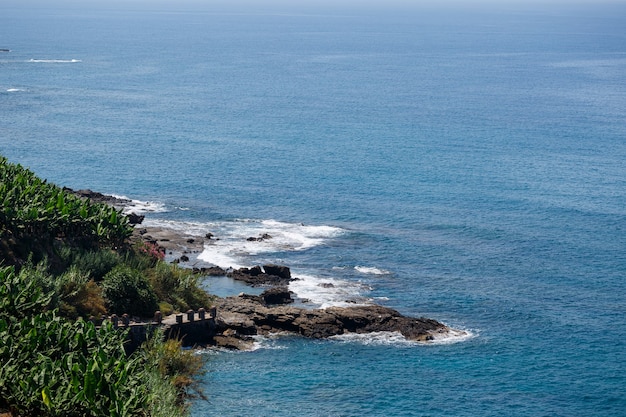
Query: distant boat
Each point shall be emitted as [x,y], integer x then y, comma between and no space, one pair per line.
[4,50]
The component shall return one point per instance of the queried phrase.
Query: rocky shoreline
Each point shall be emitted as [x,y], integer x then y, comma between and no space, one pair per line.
[239,318]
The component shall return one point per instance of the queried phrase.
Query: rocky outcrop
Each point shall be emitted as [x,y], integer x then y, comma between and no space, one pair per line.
[277,296]
[278,270]
[246,315]
[212,271]
[97,197]
[134,218]
[110,200]
[275,275]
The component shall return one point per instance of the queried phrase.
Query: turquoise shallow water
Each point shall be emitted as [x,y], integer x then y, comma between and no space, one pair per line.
[461,164]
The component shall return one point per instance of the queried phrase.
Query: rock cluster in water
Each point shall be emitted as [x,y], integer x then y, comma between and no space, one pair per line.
[243,316]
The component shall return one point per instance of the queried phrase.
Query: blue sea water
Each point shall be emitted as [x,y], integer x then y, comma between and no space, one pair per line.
[464,163]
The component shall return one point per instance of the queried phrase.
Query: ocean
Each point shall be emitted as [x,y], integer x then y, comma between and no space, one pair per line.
[461,162]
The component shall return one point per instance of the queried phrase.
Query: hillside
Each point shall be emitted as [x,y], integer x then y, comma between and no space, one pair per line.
[65,262]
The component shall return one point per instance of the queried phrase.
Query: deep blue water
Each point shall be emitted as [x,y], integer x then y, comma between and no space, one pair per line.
[465,164]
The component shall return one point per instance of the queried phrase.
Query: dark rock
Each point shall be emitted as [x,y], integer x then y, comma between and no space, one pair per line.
[249,315]
[213,271]
[261,238]
[277,296]
[184,258]
[233,341]
[190,240]
[254,276]
[208,235]
[278,270]
[326,285]
[134,218]
[97,197]
[255,271]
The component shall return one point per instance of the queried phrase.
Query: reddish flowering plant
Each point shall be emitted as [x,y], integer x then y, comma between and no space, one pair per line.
[153,250]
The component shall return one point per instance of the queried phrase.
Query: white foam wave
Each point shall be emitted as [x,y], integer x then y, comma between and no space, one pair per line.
[371,270]
[269,342]
[329,292]
[221,256]
[297,236]
[13,90]
[397,339]
[238,242]
[450,337]
[141,207]
[56,61]
[189,228]
[375,339]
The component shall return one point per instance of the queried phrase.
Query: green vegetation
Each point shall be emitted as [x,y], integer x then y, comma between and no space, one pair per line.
[63,260]
[33,208]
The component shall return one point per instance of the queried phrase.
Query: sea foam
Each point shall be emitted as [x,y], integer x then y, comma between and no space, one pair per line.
[238,242]
[241,243]
[371,270]
[56,61]
[398,340]
[326,292]
[141,207]
[450,337]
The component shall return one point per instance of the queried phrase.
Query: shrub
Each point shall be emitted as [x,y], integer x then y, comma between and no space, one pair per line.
[179,366]
[153,250]
[166,308]
[79,296]
[178,287]
[126,290]
[96,263]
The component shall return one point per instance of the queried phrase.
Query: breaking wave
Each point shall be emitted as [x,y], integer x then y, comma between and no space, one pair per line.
[371,270]
[329,292]
[237,242]
[396,339]
[56,61]
[140,207]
